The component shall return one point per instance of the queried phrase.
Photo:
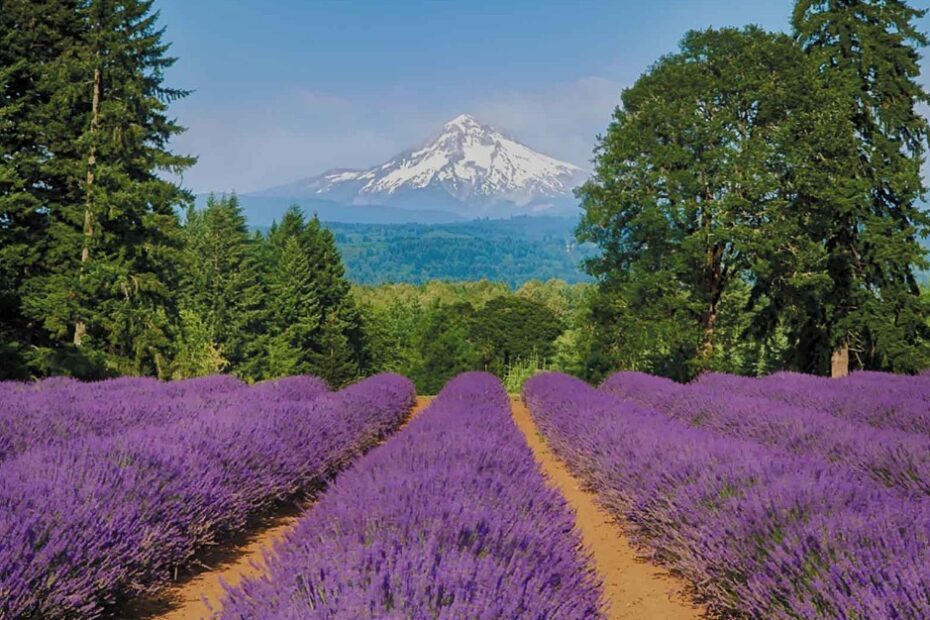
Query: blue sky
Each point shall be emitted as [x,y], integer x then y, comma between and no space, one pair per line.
[287,89]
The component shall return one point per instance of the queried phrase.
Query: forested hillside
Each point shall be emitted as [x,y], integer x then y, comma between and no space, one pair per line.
[512,251]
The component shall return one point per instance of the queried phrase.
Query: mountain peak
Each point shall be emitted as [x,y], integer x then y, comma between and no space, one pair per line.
[468,167]
[464,122]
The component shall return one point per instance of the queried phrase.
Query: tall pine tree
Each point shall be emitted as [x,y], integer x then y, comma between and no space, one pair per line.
[222,285]
[314,323]
[866,51]
[35,40]
[295,318]
[97,195]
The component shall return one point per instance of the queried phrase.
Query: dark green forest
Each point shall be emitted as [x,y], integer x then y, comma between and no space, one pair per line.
[755,206]
[512,251]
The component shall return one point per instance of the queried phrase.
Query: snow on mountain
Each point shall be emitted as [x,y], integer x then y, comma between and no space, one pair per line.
[467,167]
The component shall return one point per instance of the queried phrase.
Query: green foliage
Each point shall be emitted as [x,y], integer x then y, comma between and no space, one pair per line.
[512,328]
[294,313]
[34,35]
[755,202]
[334,358]
[434,331]
[866,53]
[690,184]
[522,370]
[311,321]
[221,283]
[197,353]
[510,251]
[443,348]
[90,239]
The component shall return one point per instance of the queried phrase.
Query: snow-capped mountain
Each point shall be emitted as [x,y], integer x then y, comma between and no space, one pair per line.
[467,167]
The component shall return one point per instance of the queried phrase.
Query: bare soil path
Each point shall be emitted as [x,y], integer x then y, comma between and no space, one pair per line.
[193,598]
[633,588]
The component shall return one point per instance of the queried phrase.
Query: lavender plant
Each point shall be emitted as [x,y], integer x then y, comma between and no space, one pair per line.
[882,400]
[90,522]
[896,458]
[762,533]
[449,519]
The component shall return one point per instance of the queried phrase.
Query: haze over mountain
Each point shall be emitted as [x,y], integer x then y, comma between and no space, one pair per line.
[467,169]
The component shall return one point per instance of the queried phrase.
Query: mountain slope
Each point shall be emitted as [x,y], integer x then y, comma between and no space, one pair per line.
[468,168]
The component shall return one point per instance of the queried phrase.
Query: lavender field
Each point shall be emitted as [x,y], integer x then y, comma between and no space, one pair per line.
[789,496]
[449,519]
[783,497]
[107,488]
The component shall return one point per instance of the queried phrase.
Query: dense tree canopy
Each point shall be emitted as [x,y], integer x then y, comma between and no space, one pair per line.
[866,53]
[90,233]
[692,179]
[755,201]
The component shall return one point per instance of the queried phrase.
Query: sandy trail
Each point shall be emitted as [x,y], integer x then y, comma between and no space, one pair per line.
[633,588]
[194,598]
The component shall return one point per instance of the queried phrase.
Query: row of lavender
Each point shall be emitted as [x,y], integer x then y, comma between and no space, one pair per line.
[55,410]
[92,519]
[743,407]
[449,519]
[761,529]
[877,399]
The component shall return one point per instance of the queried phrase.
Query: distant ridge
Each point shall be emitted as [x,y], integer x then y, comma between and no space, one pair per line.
[262,211]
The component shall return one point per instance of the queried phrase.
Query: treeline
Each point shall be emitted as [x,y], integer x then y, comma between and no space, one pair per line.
[106,268]
[755,204]
[757,200]
[435,331]
[512,251]
[99,272]
[264,306]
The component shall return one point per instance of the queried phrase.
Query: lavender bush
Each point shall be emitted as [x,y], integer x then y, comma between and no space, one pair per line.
[760,532]
[881,400]
[449,519]
[90,522]
[895,458]
[55,410]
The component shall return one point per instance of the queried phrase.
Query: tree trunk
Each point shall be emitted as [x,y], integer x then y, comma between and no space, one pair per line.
[80,328]
[708,323]
[839,361]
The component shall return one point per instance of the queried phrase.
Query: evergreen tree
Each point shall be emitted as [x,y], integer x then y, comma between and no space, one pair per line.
[222,284]
[97,196]
[314,324]
[34,37]
[294,312]
[866,51]
[335,290]
[333,358]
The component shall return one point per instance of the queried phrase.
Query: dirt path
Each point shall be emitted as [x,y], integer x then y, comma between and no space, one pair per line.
[633,588]
[194,598]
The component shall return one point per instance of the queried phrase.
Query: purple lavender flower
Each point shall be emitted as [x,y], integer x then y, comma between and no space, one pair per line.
[90,520]
[760,531]
[449,519]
